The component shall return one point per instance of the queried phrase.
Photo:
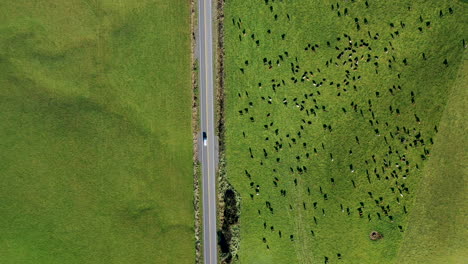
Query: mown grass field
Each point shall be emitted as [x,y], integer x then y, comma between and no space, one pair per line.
[95,132]
[346,117]
[438,234]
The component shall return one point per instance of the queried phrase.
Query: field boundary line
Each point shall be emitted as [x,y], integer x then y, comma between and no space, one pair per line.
[195,135]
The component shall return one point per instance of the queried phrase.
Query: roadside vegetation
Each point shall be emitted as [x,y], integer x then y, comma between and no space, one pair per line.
[337,119]
[95,130]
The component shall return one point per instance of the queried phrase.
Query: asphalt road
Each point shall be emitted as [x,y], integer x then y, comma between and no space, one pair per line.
[208,152]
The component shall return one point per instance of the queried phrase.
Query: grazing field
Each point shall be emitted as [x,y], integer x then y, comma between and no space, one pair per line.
[440,212]
[337,125]
[95,132]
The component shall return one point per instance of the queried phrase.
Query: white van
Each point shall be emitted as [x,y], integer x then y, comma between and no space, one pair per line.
[204,139]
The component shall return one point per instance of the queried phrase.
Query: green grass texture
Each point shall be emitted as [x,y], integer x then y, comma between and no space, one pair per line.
[343,118]
[95,132]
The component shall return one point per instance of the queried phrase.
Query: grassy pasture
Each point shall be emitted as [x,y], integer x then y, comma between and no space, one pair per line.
[438,228]
[334,110]
[95,132]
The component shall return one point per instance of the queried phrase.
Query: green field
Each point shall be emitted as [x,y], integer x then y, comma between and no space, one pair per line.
[438,227]
[95,132]
[346,117]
